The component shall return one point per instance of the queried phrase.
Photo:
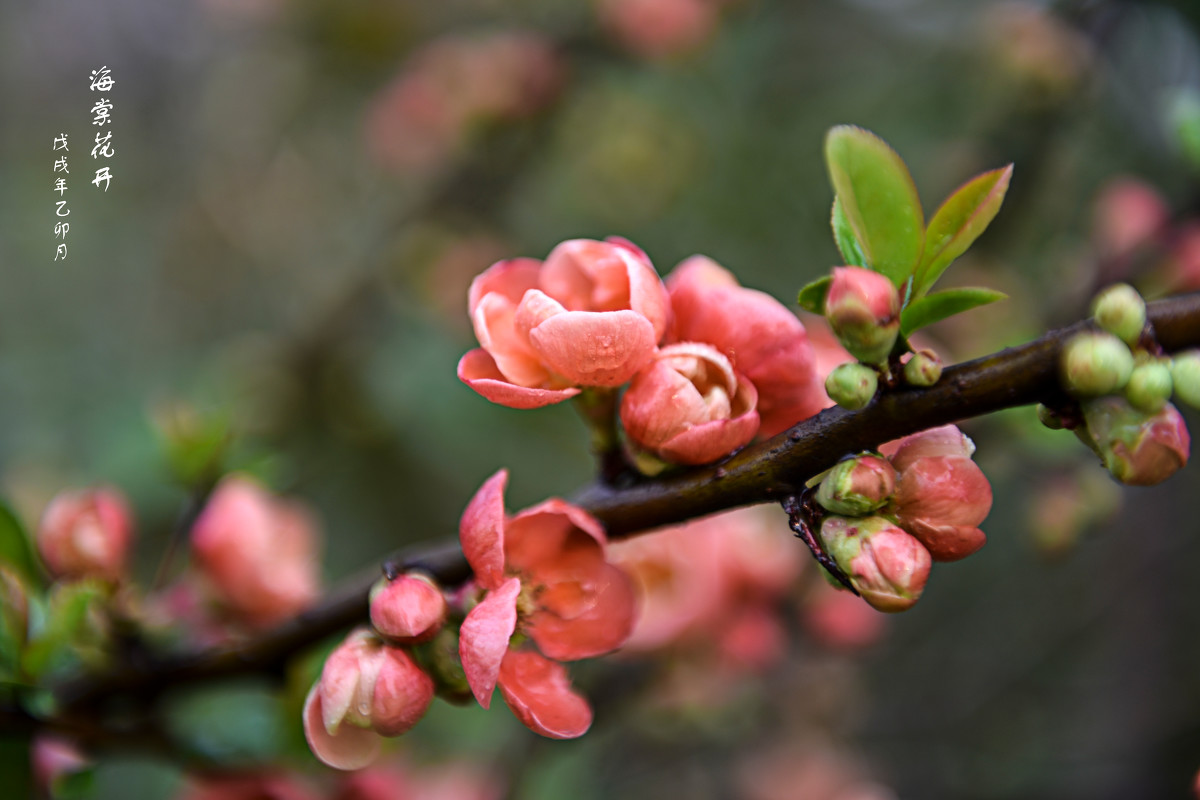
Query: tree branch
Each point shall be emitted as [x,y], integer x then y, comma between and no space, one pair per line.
[765,472]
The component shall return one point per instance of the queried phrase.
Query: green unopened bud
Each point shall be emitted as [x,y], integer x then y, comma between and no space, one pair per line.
[1121,311]
[863,308]
[1149,386]
[1185,376]
[857,486]
[1138,448]
[1096,364]
[851,385]
[1050,418]
[886,565]
[923,369]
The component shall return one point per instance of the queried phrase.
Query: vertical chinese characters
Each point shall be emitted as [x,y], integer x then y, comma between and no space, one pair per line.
[102,82]
[61,226]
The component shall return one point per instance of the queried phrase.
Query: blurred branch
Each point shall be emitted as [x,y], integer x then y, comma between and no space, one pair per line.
[765,472]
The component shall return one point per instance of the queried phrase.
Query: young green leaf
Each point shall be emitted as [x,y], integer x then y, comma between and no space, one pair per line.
[67,630]
[844,238]
[959,221]
[812,296]
[939,305]
[16,548]
[878,199]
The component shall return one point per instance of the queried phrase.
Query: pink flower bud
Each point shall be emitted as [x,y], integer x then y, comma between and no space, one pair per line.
[857,486]
[941,495]
[659,28]
[86,533]
[1128,214]
[887,566]
[863,308]
[365,686]
[1138,448]
[688,405]
[258,552]
[409,609]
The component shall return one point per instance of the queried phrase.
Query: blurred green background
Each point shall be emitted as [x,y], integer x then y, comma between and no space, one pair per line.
[275,254]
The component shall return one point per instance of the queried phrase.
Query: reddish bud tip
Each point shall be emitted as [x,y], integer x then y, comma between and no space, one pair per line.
[863,308]
[409,609]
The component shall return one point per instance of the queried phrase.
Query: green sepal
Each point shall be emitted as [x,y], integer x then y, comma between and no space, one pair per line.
[812,296]
[940,305]
[958,223]
[879,199]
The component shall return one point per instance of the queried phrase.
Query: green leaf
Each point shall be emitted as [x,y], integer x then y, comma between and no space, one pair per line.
[844,238]
[959,221]
[67,631]
[16,547]
[879,200]
[939,305]
[812,296]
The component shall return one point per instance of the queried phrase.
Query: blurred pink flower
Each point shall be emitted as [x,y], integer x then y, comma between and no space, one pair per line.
[86,533]
[263,785]
[688,406]
[1128,214]
[258,552]
[840,620]
[659,28]
[762,339]
[546,576]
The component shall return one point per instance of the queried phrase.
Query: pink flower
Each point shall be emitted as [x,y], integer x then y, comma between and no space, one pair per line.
[863,308]
[942,496]
[410,608]
[258,552]
[546,575]
[886,565]
[367,689]
[86,533]
[688,406]
[53,760]
[591,315]
[659,28]
[1128,214]
[1138,448]
[266,785]
[762,340]
[839,619]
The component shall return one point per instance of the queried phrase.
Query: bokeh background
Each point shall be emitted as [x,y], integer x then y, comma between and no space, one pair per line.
[303,190]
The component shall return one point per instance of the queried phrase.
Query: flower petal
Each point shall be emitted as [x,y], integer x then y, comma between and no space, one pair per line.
[350,748]
[591,348]
[483,639]
[495,328]
[511,278]
[585,619]
[481,531]
[539,693]
[538,536]
[478,370]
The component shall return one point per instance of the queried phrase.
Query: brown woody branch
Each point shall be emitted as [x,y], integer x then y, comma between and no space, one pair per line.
[765,472]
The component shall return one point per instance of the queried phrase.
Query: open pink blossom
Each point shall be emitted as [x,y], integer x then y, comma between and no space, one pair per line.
[86,533]
[762,339]
[941,495]
[367,689]
[591,315]
[688,406]
[258,552]
[547,576]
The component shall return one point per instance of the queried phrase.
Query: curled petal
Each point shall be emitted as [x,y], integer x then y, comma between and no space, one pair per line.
[483,639]
[946,542]
[538,536]
[945,489]
[348,680]
[510,278]
[478,370]
[585,619]
[595,348]
[536,307]
[402,694]
[350,748]
[481,531]
[495,328]
[540,695]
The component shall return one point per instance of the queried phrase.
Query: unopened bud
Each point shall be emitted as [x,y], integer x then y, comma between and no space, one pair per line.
[1185,377]
[1096,364]
[863,308]
[1138,448]
[851,385]
[923,369]
[86,534]
[857,486]
[1149,386]
[409,609]
[1050,418]
[1121,311]
[887,566]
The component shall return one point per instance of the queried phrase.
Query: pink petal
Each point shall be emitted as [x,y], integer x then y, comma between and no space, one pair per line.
[946,542]
[402,694]
[350,748]
[539,535]
[595,348]
[945,440]
[709,441]
[540,695]
[483,639]
[343,678]
[478,370]
[481,531]
[495,328]
[510,278]
[647,294]
[536,307]
[585,619]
